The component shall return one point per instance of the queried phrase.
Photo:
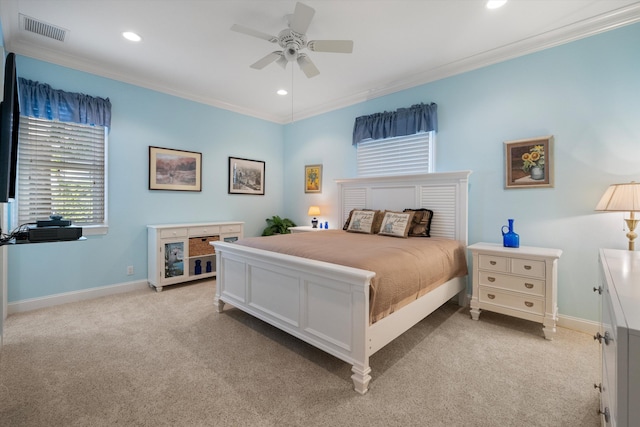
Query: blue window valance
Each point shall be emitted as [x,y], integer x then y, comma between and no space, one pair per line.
[40,100]
[403,121]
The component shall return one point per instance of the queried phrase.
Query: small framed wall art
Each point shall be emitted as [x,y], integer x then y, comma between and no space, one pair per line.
[171,169]
[313,179]
[246,176]
[529,163]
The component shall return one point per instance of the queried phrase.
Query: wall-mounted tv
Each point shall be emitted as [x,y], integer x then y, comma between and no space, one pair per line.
[9,127]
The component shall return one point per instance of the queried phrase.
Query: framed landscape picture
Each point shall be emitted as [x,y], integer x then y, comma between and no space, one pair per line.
[529,163]
[313,179]
[171,169]
[246,176]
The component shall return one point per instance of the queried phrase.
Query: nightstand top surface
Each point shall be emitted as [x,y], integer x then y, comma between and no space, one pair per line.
[522,250]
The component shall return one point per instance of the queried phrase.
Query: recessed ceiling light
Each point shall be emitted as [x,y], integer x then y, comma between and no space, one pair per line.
[282,92]
[494,4]
[131,36]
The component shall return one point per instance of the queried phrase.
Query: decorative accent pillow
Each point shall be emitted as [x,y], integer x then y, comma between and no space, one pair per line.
[364,221]
[396,224]
[421,224]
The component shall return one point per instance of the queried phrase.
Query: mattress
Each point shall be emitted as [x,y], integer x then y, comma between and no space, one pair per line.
[406,268]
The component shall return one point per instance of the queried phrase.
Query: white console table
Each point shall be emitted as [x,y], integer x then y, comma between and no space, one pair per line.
[179,253]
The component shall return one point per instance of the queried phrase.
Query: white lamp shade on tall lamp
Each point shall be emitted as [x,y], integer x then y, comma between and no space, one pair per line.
[623,198]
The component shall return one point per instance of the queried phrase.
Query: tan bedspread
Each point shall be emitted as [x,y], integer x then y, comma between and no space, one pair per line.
[405,269]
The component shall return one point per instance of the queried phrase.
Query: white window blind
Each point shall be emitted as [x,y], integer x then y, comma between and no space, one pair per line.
[403,155]
[61,170]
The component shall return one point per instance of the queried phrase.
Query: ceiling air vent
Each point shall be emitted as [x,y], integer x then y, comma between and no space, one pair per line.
[42,28]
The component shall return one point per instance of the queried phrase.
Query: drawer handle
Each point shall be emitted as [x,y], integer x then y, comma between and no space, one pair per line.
[491,279]
[606,413]
[491,296]
[527,267]
[606,337]
[492,262]
[528,285]
[528,304]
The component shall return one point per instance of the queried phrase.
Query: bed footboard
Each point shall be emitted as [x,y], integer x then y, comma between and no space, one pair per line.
[323,304]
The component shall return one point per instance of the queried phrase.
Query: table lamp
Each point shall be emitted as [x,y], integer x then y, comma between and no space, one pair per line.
[314,211]
[623,198]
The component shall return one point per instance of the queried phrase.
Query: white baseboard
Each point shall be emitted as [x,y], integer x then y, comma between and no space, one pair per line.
[581,325]
[85,294]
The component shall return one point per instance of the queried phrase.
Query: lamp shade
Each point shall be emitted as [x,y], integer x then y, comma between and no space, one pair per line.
[621,198]
[313,211]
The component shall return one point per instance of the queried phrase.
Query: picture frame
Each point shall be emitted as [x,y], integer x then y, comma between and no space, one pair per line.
[246,176]
[529,163]
[313,179]
[177,170]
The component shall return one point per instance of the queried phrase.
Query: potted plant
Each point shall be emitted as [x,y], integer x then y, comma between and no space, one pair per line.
[277,225]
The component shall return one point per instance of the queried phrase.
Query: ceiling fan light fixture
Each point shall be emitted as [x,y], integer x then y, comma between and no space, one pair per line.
[291,52]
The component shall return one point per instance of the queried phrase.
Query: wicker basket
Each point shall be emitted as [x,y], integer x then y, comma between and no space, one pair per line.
[200,245]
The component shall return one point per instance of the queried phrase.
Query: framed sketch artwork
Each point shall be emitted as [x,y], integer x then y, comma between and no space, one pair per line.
[313,179]
[174,169]
[246,176]
[529,163]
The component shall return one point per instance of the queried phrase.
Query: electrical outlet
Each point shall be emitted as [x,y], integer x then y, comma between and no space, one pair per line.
[130,270]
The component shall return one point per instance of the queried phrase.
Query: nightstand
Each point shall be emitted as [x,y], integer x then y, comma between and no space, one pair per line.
[520,282]
[304,228]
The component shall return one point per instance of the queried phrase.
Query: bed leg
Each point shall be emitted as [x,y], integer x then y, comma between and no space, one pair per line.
[218,304]
[360,379]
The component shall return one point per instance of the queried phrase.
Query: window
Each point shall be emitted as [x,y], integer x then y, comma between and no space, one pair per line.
[402,155]
[62,171]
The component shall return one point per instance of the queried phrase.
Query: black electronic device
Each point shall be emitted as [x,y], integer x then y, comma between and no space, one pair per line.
[54,221]
[53,234]
[9,123]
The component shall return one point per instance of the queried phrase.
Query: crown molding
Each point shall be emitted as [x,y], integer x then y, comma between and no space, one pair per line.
[579,30]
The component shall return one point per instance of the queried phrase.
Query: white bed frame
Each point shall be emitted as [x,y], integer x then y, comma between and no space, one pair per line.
[327,305]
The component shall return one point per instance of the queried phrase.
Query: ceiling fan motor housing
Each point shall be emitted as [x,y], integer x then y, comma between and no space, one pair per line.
[291,42]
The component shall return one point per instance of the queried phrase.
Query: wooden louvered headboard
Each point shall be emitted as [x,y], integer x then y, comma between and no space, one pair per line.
[445,193]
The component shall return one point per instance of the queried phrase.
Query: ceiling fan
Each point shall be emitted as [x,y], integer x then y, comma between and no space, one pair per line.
[293,39]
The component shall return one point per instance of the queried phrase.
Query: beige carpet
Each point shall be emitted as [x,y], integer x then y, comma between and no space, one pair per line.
[168,358]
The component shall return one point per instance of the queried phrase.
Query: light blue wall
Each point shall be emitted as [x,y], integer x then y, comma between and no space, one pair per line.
[142,118]
[586,94]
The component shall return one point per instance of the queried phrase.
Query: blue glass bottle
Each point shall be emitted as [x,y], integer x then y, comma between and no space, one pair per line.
[209,267]
[198,268]
[510,239]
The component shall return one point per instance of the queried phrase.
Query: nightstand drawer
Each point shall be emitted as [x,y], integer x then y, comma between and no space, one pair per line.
[527,267]
[527,303]
[513,283]
[493,263]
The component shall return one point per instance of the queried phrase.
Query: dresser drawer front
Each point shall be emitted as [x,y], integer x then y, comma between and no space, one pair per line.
[173,232]
[232,228]
[527,303]
[208,230]
[493,263]
[513,283]
[527,267]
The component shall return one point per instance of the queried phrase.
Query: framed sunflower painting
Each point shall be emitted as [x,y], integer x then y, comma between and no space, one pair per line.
[529,163]
[313,179]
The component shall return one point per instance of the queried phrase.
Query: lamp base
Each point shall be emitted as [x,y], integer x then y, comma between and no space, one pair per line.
[631,235]
[314,223]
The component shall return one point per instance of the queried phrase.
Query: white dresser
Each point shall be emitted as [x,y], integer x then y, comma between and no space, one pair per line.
[181,252]
[519,282]
[620,337]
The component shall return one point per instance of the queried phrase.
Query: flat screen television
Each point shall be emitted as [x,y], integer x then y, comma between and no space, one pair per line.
[9,127]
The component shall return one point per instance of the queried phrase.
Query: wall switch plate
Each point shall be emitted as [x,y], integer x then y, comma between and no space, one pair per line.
[130,270]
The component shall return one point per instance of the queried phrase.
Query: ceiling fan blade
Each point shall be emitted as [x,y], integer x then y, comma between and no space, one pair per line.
[307,66]
[301,19]
[254,33]
[337,46]
[261,63]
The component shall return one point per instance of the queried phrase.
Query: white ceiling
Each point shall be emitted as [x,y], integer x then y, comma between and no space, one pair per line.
[188,49]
